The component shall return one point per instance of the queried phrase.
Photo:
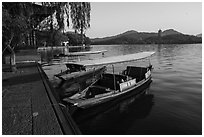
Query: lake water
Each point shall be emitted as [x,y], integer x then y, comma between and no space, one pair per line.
[171,104]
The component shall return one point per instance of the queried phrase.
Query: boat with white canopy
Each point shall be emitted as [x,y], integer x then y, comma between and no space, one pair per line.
[111,85]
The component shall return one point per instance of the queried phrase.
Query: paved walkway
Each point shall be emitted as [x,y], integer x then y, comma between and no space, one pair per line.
[28,105]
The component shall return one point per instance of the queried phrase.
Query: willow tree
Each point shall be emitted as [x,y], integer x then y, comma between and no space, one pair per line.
[55,21]
[17,20]
[80,15]
[78,11]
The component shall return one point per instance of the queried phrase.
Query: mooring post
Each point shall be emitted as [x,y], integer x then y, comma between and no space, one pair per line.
[114,78]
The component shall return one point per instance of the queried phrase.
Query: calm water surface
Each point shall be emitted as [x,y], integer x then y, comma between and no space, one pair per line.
[172,103]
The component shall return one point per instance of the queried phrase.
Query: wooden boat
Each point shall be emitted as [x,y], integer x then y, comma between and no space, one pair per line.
[83,53]
[80,114]
[77,78]
[110,85]
[70,69]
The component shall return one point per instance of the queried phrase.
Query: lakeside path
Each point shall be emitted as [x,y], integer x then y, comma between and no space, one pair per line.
[28,105]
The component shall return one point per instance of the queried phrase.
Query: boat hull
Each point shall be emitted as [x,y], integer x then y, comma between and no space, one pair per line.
[80,115]
[96,101]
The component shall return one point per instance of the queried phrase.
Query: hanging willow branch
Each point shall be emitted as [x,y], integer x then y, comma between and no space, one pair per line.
[80,15]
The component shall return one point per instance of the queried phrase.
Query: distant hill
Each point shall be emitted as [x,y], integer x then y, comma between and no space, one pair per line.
[169,36]
[199,35]
[170,32]
[129,37]
[174,39]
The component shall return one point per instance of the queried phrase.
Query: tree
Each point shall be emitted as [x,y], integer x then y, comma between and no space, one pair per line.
[19,20]
[58,19]
[78,11]
[80,15]
[14,27]
[18,24]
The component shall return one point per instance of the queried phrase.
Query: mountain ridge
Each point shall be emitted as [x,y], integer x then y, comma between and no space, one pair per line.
[170,32]
[199,35]
[133,37]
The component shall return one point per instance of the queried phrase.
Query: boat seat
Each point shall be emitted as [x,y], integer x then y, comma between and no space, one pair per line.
[136,72]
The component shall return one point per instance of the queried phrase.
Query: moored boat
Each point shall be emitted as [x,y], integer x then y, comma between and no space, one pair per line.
[141,100]
[77,78]
[110,86]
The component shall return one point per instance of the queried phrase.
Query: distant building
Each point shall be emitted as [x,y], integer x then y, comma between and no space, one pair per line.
[159,36]
[159,33]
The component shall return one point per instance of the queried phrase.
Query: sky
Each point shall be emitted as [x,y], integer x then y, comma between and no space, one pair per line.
[112,18]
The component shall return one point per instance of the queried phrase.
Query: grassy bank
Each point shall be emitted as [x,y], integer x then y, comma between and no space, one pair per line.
[26,55]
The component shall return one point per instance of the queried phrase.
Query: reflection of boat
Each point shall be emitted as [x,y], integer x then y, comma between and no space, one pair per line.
[141,103]
[113,121]
[111,86]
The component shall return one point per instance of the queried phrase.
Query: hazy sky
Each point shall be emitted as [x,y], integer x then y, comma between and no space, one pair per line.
[111,18]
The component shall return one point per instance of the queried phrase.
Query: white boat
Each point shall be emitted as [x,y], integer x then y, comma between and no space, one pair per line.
[85,53]
[110,86]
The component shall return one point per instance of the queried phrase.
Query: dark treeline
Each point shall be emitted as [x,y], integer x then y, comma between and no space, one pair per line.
[73,38]
[30,24]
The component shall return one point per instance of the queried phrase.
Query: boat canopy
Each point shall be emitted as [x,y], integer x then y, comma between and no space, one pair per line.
[115,59]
